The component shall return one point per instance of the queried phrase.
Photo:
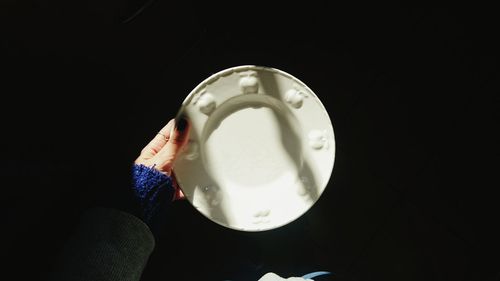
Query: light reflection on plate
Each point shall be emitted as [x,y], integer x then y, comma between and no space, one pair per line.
[261,149]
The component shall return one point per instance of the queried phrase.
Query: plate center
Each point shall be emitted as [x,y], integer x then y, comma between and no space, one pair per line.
[252,147]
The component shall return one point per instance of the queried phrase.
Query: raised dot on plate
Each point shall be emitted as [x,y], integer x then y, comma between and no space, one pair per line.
[212,194]
[317,139]
[262,213]
[249,83]
[206,103]
[295,98]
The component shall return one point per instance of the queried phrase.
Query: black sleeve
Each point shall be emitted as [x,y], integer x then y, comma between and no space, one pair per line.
[107,245]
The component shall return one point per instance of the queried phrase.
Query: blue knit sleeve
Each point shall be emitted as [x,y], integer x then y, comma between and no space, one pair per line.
[154,191]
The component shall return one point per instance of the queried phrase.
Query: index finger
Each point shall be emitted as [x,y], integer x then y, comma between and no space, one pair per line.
[159,141]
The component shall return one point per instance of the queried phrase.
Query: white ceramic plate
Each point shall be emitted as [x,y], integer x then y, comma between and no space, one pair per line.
[261,148]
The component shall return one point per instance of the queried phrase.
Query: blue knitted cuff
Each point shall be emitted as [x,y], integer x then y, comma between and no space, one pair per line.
[153,189]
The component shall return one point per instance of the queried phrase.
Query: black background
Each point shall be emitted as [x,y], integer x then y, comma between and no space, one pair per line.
[413,96]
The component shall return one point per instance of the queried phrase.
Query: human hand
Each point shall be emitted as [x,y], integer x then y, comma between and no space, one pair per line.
[161,152]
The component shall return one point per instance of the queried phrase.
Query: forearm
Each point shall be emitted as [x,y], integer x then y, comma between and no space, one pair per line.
[108,245]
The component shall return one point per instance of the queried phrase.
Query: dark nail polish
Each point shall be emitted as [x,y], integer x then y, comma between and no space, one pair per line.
[181,124]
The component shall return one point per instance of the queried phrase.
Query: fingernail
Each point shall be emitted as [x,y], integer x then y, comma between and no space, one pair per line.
[181,124]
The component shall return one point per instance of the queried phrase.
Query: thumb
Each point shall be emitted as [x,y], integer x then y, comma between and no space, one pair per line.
[179,136]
